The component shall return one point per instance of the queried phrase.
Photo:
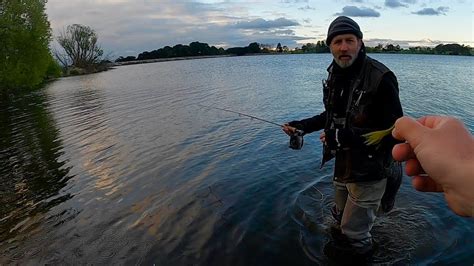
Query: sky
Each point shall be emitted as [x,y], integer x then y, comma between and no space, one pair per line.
[129,27]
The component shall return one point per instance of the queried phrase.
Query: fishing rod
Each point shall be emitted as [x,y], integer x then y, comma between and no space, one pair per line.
[296,139]
[239,113]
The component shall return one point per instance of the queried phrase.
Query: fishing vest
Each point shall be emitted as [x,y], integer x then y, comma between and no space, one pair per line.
[361,163]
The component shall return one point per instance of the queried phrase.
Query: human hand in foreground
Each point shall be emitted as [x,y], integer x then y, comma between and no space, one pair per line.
[439,154]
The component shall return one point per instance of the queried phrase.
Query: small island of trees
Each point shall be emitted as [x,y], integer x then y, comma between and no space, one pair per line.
[192,50]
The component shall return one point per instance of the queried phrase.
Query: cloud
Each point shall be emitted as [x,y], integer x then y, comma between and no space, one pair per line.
[398,3]
[128,27]
[353,11]
[306,8]
[432,12]
[294,1]
[394,3]
[261,23]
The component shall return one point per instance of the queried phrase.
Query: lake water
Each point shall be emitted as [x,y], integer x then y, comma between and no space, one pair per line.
[125,167]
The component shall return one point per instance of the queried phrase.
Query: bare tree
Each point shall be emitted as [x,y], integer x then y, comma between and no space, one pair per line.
[62,58]
[80,45]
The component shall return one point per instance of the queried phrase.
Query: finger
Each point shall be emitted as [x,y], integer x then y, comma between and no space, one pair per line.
[288,130]
[447,122]
[408,129]
[432,121]
[426,184]
[413,168]
[402,152]
[322,137]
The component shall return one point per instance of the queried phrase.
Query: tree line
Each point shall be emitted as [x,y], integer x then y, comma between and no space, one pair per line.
[203,49]
[441,49]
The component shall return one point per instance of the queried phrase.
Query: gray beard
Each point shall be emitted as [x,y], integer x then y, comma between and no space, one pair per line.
[345,64]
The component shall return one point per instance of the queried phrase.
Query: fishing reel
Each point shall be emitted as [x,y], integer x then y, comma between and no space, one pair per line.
[296,140]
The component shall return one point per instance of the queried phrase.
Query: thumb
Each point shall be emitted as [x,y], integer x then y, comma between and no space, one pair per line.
[408,129]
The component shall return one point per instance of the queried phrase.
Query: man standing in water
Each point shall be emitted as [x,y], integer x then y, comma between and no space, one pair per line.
[360,96]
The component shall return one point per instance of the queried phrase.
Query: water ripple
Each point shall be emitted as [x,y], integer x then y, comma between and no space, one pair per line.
[124,167]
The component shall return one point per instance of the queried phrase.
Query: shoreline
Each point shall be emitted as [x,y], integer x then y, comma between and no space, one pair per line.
[146,61]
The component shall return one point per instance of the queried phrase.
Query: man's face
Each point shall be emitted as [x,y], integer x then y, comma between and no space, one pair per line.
[345,48]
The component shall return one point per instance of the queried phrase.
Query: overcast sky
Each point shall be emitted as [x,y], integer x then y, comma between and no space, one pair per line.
[129,27]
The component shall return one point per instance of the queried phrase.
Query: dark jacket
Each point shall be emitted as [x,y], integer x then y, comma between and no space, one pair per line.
[375,105]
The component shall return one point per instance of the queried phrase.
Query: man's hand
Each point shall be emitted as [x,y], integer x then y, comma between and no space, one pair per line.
[322,137]
[439,154]
[289,130]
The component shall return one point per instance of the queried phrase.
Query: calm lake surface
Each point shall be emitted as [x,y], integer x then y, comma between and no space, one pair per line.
[125,167]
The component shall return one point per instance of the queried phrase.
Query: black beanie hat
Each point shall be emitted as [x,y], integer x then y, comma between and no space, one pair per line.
[343,25]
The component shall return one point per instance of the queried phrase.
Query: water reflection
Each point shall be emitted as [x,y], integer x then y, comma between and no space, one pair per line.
[32,172]
[158,180]
[96,138]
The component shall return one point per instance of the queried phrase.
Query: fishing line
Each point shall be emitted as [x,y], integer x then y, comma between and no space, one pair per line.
[296,139]
[239,113]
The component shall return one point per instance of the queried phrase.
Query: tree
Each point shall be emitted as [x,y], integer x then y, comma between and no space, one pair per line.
[198,48]
[452,49]
[184,50]
[80,45]
[266,48]
[237,50]
[307,48]
[24,43]
[125,59]
[392,48]
[180,50]
[251,49]
[319,47]
[254,48]
[279,49]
